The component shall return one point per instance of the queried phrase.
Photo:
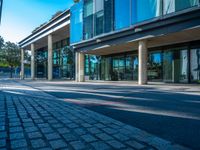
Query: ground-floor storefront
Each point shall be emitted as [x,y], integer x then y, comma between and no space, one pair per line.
[178,63]
[63,61]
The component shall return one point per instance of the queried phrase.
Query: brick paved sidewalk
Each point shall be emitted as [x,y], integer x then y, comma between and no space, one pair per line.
[31,119]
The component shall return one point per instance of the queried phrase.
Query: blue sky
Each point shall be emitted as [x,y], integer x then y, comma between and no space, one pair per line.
[20,17]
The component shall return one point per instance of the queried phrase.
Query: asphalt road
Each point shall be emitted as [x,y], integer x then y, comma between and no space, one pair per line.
[163,111]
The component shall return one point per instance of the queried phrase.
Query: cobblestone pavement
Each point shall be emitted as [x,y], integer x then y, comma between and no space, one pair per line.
[31,119]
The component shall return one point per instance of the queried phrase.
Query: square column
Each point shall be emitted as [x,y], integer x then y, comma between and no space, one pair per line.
[32,61]
[22,64]
[50,58]
[142,73]
[80,65]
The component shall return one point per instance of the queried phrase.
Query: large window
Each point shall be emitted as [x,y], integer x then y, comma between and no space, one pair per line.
[88,14]
[109,13]
[170,6]
[99,17]
[145,9]
[122,14]
[76,21]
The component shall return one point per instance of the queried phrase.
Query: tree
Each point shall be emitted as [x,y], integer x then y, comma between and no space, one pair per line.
[1,42]
[11,55]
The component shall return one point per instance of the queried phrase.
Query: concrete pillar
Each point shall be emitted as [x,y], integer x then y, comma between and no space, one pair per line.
[77,67]
[50,58]
[80,65]
[32,61]
[22,64]
[142,54]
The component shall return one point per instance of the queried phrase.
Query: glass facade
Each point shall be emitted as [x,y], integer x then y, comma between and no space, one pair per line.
[174,65]
[63,60]
[90,18]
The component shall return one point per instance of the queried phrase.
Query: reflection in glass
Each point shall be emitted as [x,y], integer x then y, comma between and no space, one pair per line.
[122,14]
[145,9]
[155,66]
[170,6]
[167,66]
[195,65]
[41,63]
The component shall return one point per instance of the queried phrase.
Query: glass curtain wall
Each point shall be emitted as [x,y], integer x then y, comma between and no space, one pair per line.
[76,21]
[41,63]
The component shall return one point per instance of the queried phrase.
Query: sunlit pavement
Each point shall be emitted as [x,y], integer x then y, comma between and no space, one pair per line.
[32,119]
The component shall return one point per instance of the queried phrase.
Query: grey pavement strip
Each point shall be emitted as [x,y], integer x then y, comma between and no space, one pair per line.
[32,119]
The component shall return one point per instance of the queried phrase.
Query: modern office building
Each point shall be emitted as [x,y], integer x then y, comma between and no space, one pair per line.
[129,40]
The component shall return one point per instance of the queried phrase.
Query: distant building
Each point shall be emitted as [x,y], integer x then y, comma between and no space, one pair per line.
[141,40]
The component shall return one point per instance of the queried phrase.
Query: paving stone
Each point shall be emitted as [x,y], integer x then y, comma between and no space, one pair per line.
[16,129]
[2,142]
[89,138]
[15,136]
[18,143]
[80,131]
[70,137]
[47,130]
[44,125]
[72,125]
[77,145]
[38,143]
[109,130]
[99,125]
[29,124]
[121,137]
[135,145]
[58,144]
[100,146]
[63,130]
[52,136]
[3,134]
[58,125]
[33,135]
[94,130]
[31,129]
[104,136]
[14,124]
[2,128]
[46,148]
[115,144]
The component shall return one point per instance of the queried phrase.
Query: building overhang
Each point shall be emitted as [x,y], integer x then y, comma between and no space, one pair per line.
[59,27]
[182,26]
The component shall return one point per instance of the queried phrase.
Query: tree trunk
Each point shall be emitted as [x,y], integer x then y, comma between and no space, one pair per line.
[11,73]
